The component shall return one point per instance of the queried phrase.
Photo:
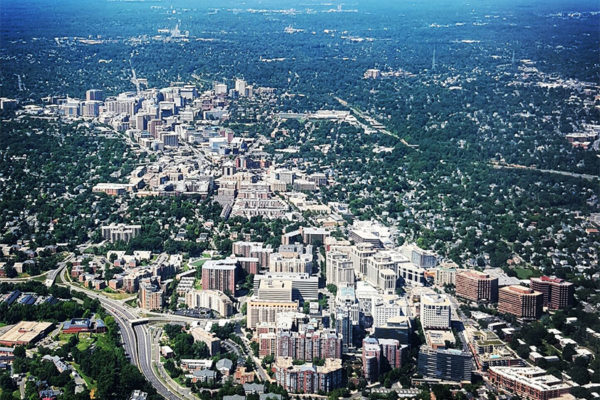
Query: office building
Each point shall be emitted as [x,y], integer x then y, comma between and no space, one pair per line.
[521,302]
[532,383]
[420,257]
[386,307]
[476,286]
[304,286]
[557,293]
[275,290]
[240,87]
[344,326]
[359,254]
[259,311]
[436,311]
[94,95]
[308,378]
[339,269]
[445,274]
[219,275]
[445,364]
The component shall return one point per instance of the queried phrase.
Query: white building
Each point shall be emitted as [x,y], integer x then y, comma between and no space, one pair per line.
[436,311]
[387,307]
[339,269]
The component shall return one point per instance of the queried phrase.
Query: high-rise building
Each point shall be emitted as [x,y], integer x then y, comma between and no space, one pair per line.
[445,364]
[240,87]
[304,286]
[91,108]
[308,378]
[436,312]
[212,342]
[476,286]
[308,344]
[275,290]
[212,299]
[94,95]
[445,274]
[150,296]
[220,88]
[371,356]
[359,254]
[386,307]
[557,293]
[339,269]
[521,302]
[120,232]
[219,275]
[344,327]
[380,355]
[259,311]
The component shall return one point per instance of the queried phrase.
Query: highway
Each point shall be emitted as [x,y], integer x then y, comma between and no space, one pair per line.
[137,342]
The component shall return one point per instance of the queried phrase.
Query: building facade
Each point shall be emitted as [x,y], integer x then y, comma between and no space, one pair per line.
[219,275]
[307,378]
[476,286]
[557,293]
[436,312]
[521,302]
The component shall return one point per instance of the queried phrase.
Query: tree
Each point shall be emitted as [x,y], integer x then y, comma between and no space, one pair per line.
[19,352]
[332,289]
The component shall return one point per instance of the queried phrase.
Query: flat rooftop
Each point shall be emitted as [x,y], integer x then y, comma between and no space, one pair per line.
[25,332]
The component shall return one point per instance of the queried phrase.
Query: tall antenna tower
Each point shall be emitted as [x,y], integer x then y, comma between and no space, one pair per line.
[433,60]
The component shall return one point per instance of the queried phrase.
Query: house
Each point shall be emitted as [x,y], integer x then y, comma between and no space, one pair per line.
[166,352]
[224,366]
[250,388]
[203,376]
[242,376]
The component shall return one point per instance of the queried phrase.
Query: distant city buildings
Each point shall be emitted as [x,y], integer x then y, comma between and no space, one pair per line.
[120,232]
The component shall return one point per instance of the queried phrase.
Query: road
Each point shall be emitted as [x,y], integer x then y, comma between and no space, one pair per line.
[546,171]
[137,341]
[51,277]
[373,123]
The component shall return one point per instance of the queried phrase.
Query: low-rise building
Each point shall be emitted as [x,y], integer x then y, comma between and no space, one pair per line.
[532,383]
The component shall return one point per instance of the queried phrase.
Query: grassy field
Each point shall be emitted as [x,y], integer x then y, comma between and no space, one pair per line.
[525,273]
[199,263]
[108,292]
